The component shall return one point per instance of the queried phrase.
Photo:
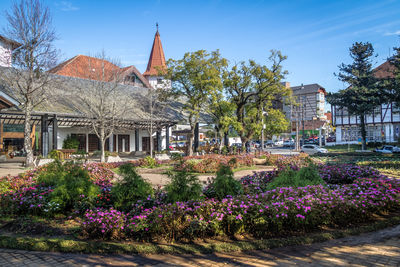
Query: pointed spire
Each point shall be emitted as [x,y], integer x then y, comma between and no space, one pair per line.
[157,58]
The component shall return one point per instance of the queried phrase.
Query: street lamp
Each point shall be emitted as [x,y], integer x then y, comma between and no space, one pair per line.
[264,113]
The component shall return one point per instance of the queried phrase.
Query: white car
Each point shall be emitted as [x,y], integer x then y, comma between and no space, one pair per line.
[278,143]
[388,150]
[313,149]
[288,143]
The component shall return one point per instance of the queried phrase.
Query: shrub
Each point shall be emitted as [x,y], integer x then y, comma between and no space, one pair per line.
[70,143]
[224,184]
[131,189]
[56,154]
[74,187]
[53,173]
[183,187]
[176,156]
[258,181]
[106,224]
[292,178]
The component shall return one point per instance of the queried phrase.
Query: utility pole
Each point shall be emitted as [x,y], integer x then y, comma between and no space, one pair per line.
[302,116]
[297,129]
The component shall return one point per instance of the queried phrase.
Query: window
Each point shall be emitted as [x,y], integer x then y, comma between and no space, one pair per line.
[159,81]
[377,110]
[395,108]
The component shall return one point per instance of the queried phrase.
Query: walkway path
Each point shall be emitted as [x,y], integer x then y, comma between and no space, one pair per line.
[380,248]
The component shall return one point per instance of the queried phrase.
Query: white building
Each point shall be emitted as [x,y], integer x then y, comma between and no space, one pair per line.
[6,48]
[382,123]
[54,122]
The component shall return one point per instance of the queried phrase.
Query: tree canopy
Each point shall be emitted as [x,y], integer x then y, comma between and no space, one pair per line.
[363,93]
[196,77]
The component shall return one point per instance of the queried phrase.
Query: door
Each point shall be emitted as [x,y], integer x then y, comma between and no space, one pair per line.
[123,143]
[146,144]
[94,143]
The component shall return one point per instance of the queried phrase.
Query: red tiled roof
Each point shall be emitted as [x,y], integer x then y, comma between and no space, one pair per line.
[384,70]
[157,58]
[86,67]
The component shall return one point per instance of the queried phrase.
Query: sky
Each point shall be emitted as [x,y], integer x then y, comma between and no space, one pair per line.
[314,35]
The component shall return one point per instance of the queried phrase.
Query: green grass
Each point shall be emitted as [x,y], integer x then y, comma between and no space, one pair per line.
[343,148]
[79,246]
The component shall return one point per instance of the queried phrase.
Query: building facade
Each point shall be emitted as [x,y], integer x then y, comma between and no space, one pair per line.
[55,122]
[382,123]
[6,48]
[308,114]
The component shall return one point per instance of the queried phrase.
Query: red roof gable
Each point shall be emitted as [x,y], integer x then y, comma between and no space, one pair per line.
[385,70]
[157,58]
[86,67]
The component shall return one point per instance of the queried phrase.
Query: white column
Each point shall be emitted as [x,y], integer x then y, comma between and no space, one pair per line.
[338,134]
[111,142]
[116,143]
[87,143]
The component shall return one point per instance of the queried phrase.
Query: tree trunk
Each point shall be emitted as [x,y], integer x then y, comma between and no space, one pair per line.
[363,133]
[244,140]
[151,141]
[27,135]
[191,135]
[102,144]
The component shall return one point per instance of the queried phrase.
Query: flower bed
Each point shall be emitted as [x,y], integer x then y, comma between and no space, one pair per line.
[346,173]
[211,163]
[276,212]
[353,194]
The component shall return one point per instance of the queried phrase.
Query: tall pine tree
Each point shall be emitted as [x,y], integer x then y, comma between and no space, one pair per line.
[364,92]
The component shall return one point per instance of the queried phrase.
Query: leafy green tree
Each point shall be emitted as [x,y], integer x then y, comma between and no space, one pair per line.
[275,122]
[195,77]
[364,92]
[252,88]
[222,113]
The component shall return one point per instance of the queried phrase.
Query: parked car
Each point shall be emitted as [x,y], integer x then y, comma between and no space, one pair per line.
[388,149]
[238,145]
[278,143]
[313,149]
[331,139]
[269,143]
[288,143]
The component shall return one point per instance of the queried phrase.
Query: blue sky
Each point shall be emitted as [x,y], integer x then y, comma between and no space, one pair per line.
[315,35]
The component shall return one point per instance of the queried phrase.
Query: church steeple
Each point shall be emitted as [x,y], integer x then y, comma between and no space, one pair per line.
[157,58]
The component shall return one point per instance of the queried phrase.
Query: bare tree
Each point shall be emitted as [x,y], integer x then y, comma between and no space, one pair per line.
[29,24]
[154,105]
[101,97]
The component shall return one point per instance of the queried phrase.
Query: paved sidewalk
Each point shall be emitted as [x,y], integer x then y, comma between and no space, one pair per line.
[380,248]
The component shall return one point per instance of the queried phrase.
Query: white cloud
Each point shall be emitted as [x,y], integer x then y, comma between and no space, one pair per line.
[392,33]
[66,6]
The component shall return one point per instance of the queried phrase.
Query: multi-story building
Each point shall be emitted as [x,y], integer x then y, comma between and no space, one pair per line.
[308,114]
[382,123]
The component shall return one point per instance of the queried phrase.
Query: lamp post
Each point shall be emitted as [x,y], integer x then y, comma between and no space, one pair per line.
[264,113]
